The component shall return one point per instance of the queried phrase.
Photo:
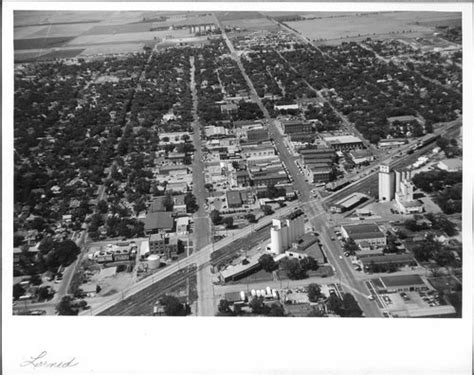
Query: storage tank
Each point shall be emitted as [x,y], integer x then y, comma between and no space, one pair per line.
[153,261]
[274,294]
[284,237]
[276,244]
[262,292]
[253,293]
[259,293]
[242,295]
[269,291]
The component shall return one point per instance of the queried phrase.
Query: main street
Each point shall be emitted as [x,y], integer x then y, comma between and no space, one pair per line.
[202,232]
[312,208]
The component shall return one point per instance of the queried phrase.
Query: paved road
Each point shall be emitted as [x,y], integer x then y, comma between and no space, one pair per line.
[200,258]
[201,217]
[312,207]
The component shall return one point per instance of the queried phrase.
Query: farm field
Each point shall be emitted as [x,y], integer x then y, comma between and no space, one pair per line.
[128,37]
[105,49]
[381,25]
[55,30]
[40,43]
[252,23]
[232,16]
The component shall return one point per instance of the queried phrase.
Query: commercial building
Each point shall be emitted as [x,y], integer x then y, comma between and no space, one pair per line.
[403,283]
[386,183]
[257,135]
[361,156]
[365,233]
[390,142]
[349,202]
[234,199]
[395,260]
[158,221]
[296,126]
[286,107]
[177,187]
[450,165]
[164,244]
[258,151]
[344,142]
[246,267]
[284,232]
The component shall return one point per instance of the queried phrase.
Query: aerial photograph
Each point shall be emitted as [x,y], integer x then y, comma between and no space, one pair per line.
[238,163]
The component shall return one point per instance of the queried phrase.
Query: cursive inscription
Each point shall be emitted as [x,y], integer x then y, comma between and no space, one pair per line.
[40,361]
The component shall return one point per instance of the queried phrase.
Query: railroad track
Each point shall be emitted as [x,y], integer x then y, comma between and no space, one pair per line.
[141,303]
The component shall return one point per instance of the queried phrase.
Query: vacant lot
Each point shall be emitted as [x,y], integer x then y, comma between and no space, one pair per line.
[380,25]
[40,43]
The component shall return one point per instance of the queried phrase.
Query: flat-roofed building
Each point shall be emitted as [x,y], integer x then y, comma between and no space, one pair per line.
[361,156]
[234,199]
[369,233]
[395,260]
[257,135]
[164,244]
[158,221]
[403,283]
[450,165]
[390,142]
[296,126]
[349,202]
[344,142]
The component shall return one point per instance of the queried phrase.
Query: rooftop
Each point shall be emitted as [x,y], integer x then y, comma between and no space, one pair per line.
[343,139]
[403,280]
[159,220]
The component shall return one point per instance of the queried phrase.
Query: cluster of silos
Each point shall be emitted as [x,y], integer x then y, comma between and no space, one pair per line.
[401,176]
[284,232]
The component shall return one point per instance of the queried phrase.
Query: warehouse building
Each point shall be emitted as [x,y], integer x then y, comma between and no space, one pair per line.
[365,234]
[344,142]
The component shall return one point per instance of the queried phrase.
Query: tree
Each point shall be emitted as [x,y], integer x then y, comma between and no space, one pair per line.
[216,217]
[309,263]
[64,253]
[350,246]
[66,306]
[224,308]
[350,306]
[168,202]
[258,307]
[334,304]
[276,310]
[18,291]
[36,279]
[250,218]
[228,221]
[314,292]
[267,210]
[190,201]
[172,306]
[102,206]
[268,263]
[44,293]
[293,268]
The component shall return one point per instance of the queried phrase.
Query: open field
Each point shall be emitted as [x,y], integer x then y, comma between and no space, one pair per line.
[380,25]
[42,55]
[40,43]
[232,16]
[34,18]
[252,23]
[112,49]
[128,37]
[53,30]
